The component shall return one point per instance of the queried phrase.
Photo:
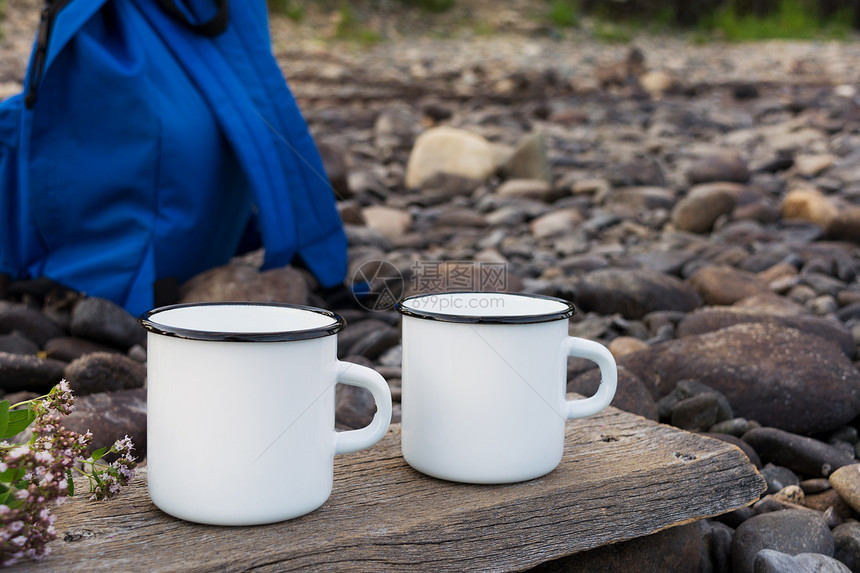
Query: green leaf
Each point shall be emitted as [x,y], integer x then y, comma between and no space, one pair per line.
[98,454]
[11,475]
[4,418]
[71,483]
[19,420]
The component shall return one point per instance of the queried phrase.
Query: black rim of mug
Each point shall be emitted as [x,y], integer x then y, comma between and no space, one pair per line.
[568,311]
[150,322]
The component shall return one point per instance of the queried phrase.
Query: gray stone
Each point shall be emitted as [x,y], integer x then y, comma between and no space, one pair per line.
[68,348]
[29,322]
[101,320]
[801,454]
[376,343]
[633,293]
[355,332]
[674,549]
[354,407]
[778,477]
[770,561]
[710,319]
[716,556]
[529,160]
[792,531]
[632,395]
[846,540]
[719,166]
[524,188]
[29,372]
[777,376]
[239,281]
[111,416]
[17,343]
[697,413]
[700,209]
[104,372]
[724,285]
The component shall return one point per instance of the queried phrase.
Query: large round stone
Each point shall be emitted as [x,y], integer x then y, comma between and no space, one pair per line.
[778,376]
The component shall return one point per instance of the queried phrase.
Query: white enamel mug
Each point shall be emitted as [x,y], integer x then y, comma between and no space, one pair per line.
[240,410]
[484,380]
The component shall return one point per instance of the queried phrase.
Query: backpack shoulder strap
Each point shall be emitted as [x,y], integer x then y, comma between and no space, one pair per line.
[295,203]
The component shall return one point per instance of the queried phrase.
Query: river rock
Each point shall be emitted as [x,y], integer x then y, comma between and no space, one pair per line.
[703,205]
[633,293]
[626,345]
[720,166]
[376,343]
[697,413]
[449,150]
[355,332]
[791,531]
[240,281]
[103,321]
[674,549]
[389,222]
[846,481]
[777,477]
[68,348]
[354,406]
[770,561]
[104,372]
[656,83]
[631,394]
[830,501]
[529,160]
[725,285]
[632,200]
[396,126]
[809,205]
[845,225]
[801,454]
[778,376]
[555,223]
[29,372]
[769,304]
[17,343]
[29,322]
[716,556]
[709,319]
[111,416]
[524,188]
[846,540]
[812,165]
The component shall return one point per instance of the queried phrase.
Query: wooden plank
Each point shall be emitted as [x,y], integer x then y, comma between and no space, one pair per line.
[621,477]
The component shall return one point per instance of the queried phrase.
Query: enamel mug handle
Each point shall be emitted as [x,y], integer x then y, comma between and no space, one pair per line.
[364,377]
[598,353]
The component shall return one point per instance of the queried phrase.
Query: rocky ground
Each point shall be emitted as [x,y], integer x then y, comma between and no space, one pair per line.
[699,203]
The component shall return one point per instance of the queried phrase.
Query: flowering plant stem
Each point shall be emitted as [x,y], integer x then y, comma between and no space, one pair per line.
[38,472]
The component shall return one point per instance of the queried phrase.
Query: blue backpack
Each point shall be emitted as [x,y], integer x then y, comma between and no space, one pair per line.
[149,138]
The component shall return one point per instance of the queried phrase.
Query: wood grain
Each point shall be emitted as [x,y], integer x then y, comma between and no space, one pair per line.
[621,477]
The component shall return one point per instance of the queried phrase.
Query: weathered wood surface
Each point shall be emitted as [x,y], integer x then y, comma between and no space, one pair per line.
[621,477]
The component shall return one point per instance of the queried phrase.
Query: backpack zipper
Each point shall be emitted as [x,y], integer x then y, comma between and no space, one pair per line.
[46,24]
